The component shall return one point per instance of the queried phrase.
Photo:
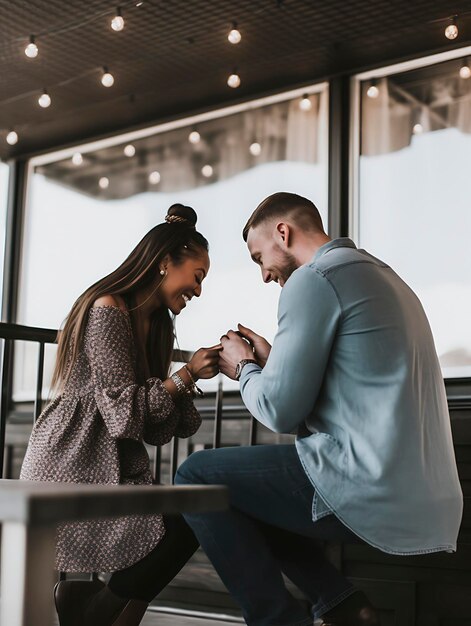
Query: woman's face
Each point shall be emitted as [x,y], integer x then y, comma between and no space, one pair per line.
[183,281]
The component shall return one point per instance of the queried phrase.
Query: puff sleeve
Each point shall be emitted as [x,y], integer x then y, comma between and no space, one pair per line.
[131,410]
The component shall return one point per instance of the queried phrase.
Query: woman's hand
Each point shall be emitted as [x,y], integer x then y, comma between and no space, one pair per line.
[260,345]
[205,362]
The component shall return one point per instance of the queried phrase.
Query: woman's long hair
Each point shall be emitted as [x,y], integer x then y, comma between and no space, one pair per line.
[177,238]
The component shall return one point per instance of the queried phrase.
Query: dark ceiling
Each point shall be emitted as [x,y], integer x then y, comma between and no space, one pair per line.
[173,56]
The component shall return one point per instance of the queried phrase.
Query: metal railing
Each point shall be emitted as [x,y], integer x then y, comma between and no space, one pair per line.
[9,333]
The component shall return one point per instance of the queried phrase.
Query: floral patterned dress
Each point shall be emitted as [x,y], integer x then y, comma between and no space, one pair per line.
[94,433]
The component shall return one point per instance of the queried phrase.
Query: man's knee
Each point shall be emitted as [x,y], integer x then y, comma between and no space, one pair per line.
[191,471]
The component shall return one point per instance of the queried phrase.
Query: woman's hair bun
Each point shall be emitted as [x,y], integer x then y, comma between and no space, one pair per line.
[181,214]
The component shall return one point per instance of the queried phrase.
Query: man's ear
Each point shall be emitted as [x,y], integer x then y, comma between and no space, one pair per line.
[283,232]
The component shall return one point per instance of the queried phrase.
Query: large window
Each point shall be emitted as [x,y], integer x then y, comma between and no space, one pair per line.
[88,208]
[414,208]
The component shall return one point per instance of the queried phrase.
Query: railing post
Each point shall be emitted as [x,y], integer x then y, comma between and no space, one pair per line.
[218,415]
[39,382]
[253,431]
[174,459]
[7,347]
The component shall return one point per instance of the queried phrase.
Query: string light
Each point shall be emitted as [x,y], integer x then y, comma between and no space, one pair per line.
[207,171]
[77,158]
[255,148]
[107,80]
[31,49]
[129,150]
[234,35]
[234,80]
[305,103]
[104,182]
[465,70]
[12,138]
[451,31]
[154,178]
[117,23]
[372,91]
[194,137]
[44,100]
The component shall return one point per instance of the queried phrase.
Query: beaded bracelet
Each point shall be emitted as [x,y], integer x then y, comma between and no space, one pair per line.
[194,387]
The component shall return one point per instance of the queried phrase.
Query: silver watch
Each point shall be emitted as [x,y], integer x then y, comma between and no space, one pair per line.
[240,366]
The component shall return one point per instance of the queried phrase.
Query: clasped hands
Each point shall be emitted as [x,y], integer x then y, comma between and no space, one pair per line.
[234,346]
[242,344]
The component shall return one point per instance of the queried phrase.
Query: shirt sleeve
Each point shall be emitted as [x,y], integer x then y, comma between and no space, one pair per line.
[284,392]
[130,410]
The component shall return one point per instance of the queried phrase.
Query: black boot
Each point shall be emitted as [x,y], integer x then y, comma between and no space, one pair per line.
[107,609]
[91,603]
[355,610]
[71,597]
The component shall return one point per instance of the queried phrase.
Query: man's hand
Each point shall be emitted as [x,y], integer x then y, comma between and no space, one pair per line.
[234,349]
[260,345]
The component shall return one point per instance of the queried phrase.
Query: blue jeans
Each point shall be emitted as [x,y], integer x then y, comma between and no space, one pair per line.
[267,530]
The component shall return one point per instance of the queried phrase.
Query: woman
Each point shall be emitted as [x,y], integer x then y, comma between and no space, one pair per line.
[112,373]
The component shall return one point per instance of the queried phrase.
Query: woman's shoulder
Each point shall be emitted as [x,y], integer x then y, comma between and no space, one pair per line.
[109,300]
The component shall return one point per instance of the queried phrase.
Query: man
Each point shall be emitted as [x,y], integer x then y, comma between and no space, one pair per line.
[354,372]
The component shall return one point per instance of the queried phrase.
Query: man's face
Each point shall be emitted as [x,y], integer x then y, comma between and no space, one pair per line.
[267,250]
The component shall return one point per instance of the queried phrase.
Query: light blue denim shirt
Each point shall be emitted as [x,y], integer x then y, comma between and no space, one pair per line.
[354,371]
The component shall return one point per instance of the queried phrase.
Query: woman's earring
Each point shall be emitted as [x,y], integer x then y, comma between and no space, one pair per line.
[163,273]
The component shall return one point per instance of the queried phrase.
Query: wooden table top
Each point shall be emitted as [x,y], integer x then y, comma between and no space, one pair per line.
[46,503]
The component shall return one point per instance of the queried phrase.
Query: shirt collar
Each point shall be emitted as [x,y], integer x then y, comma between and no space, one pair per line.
[341,242]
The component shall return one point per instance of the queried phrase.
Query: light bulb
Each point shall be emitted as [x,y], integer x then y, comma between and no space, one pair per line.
[104,182]
[77,158]
[234,80]
[465,71]
[234,35]
[255,148]
[117,23]
[12,138]
[31,49]
[451,31]
[194,137]
[107,80]
[129,150]
[44,100]
[154,178]
[207,171]
[418,129]
[305,103]
[372,92]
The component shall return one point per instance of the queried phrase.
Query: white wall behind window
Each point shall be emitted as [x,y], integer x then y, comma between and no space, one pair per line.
[72,240]
[415,214]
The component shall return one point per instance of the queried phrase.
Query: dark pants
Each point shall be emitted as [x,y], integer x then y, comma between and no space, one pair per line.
[145,579]
[267,530]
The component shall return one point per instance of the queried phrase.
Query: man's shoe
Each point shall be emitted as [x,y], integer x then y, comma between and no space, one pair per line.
[355,610]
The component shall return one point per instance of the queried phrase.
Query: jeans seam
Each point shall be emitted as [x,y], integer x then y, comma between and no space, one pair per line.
[319,612]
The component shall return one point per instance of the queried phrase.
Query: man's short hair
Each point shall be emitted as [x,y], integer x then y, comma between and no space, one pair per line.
[301,210]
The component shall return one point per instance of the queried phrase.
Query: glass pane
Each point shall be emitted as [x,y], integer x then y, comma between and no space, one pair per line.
[86,213]
[414,206]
